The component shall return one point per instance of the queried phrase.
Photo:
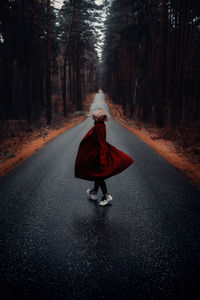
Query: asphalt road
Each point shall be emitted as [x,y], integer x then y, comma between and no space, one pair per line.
[58,244]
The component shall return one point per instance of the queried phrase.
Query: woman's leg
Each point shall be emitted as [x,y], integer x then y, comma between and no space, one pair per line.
[96,185]
[103,186]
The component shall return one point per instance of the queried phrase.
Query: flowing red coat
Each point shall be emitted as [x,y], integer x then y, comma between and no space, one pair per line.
[96,158]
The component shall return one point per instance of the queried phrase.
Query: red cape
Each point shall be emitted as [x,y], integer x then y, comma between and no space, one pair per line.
[96,158]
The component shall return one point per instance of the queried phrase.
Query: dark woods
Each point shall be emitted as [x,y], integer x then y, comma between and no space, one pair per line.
[150,62]
[152,59]
[48,60]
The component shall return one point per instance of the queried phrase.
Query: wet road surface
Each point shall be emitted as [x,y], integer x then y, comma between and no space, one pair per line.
[58,244]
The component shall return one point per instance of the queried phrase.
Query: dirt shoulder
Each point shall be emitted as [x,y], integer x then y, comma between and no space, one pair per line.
[18,143]
[169,144]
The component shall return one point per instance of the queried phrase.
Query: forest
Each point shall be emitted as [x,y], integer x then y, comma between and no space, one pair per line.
[48,59]
[149,62]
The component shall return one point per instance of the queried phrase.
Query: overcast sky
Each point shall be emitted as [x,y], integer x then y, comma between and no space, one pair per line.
[58,3]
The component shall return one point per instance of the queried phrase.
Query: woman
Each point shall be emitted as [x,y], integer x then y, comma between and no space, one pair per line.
[97,159]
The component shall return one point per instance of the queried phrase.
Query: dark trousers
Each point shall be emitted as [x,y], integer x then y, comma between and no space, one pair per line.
[102,184]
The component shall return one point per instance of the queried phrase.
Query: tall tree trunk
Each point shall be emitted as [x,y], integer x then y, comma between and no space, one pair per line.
[162,67]
[70,79]
[7,85]
[66,58]
[48,66]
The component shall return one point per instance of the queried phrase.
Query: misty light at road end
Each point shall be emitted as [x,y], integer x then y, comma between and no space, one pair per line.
[58,4]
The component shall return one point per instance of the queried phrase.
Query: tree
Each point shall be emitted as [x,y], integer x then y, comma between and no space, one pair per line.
[48,65]
[150,59]
[79,54]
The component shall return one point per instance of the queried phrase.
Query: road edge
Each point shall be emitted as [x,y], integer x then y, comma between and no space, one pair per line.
[35,145]
[178,161]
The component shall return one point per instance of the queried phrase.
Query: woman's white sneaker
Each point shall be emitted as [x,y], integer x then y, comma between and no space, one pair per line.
[105,200]
[93,195]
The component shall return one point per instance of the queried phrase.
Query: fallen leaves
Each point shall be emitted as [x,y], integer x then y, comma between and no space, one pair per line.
[180,147]
[17,142]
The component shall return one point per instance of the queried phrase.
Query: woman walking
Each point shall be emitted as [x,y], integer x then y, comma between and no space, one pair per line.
[98,160]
